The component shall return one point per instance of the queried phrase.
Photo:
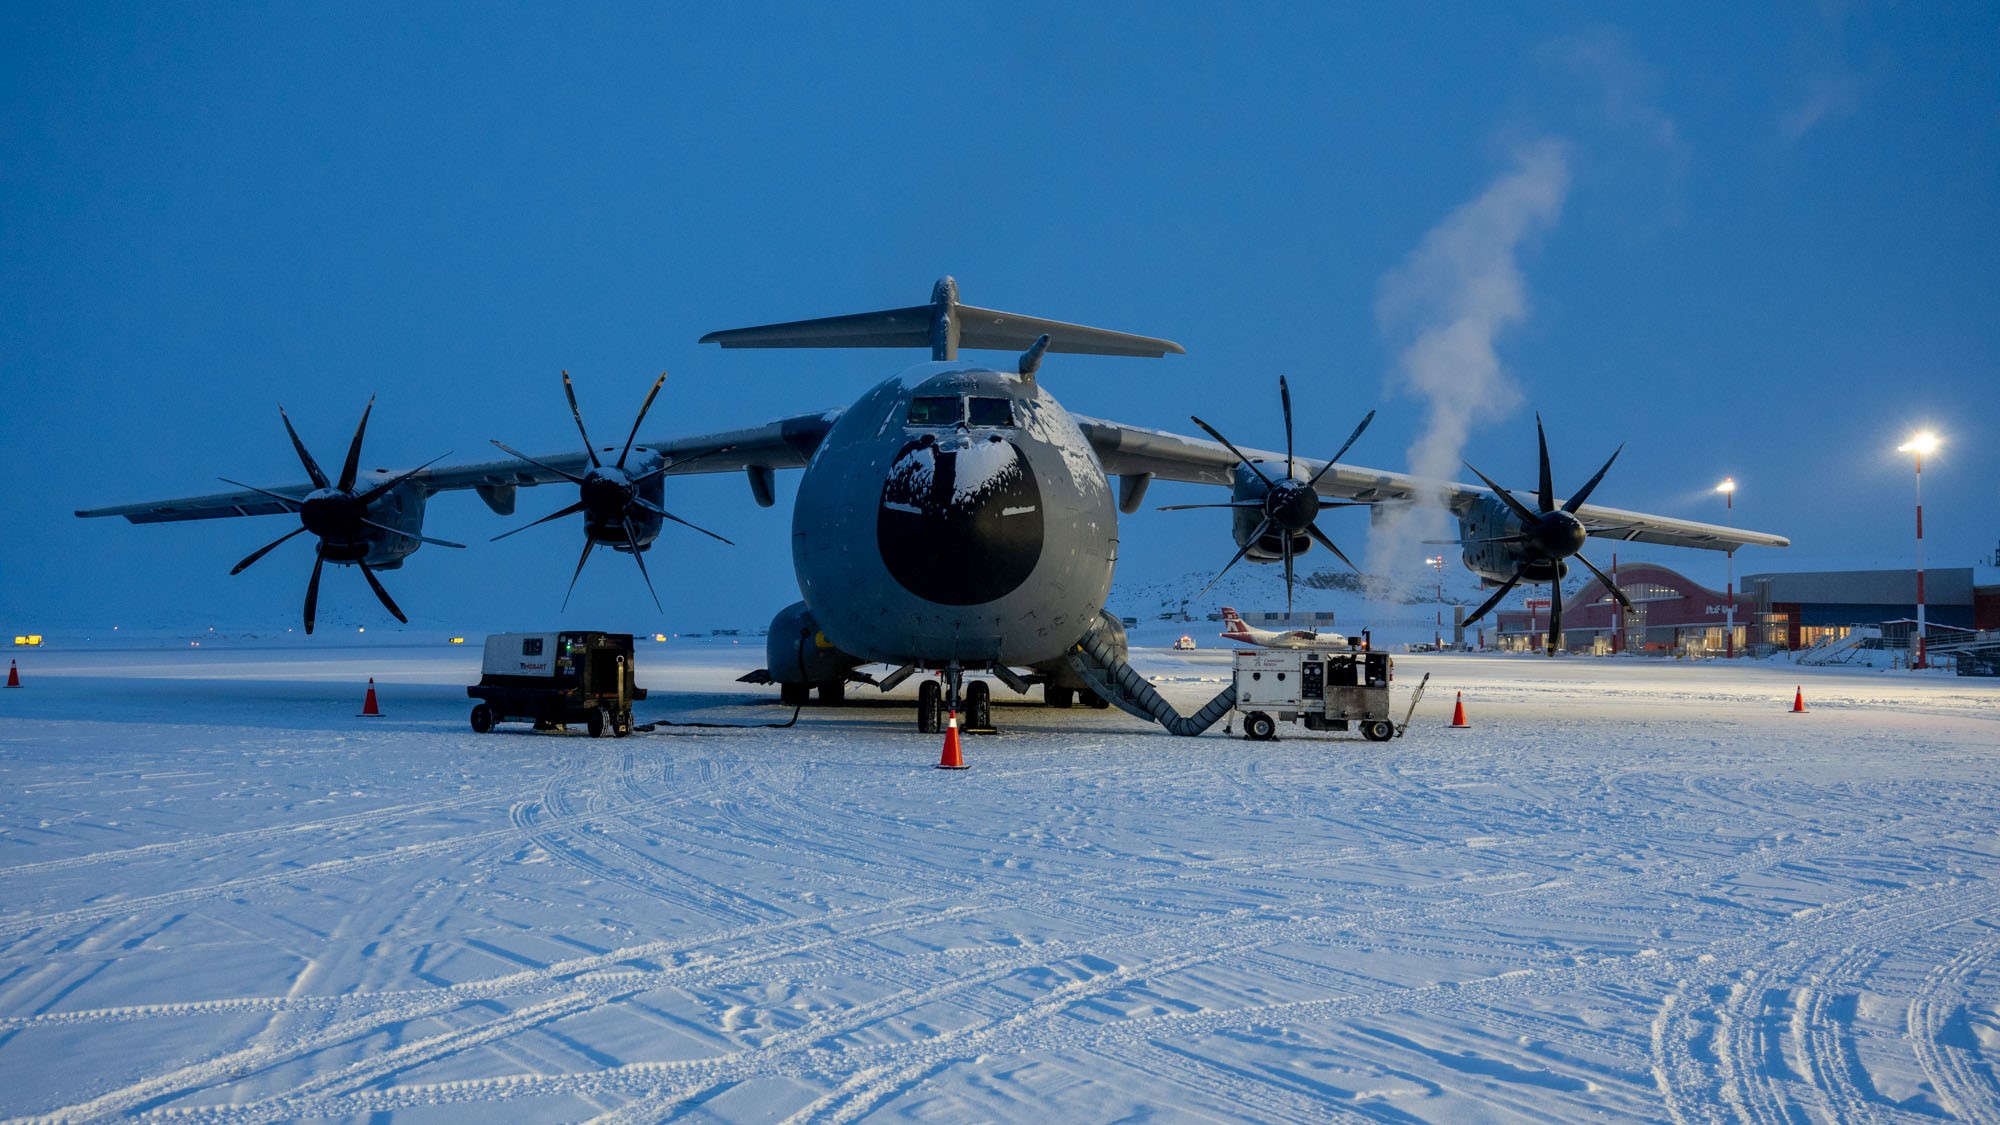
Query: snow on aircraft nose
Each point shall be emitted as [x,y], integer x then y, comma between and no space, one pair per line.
[960,521]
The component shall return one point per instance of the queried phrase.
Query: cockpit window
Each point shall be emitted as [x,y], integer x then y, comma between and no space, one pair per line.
[991,411]
[935,411]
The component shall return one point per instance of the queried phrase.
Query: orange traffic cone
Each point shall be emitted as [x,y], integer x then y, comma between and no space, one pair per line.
[1799,701]
[368,708]
[951,759]
[1458,713]
[13,674]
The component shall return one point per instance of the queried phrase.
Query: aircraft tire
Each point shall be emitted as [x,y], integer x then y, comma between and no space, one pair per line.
[929,697]
[794,695]
[1095,701]
[483,719]
[978,706]
[1056,695]
[1259,727]
[833,693]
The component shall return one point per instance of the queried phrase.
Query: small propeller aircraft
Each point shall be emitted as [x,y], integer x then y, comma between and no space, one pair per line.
[954,519]
[1235,629]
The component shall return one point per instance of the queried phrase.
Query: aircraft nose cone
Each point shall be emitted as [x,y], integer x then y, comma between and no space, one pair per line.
[960,526]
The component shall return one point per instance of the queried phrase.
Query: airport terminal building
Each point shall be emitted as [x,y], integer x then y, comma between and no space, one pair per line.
[1673,614]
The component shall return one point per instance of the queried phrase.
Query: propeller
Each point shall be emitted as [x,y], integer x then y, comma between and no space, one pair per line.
[1289,505]
[608,495]
[338,516]
[1548,535]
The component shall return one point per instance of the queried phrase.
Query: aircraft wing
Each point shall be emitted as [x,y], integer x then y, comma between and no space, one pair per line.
[784,444]
[1132,450]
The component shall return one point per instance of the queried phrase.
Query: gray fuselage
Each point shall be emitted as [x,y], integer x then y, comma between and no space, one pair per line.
[955,514]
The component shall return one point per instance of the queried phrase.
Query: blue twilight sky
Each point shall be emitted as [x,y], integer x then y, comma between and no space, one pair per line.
[1758,240]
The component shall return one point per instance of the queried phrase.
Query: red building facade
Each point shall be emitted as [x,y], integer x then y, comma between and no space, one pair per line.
[1671,614]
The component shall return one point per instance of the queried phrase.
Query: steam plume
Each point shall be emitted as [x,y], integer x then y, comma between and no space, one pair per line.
[1446,303]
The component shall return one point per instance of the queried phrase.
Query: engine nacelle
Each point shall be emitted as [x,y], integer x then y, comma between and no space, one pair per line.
[402,508]
[1482,529]
[1244,522]
[796,652]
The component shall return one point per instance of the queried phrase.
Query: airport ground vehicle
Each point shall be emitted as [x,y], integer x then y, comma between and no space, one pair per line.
[1321,688]
[554,679]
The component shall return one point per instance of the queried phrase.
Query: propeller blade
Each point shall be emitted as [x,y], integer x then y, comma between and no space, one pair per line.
[1575,502]
[1288,577]
[1230,504]
[569,511]
[1608,583]
[369,496]
[291,502]
[375,584]
[1211,431]
[570,393]
[1554,639]
[1236,558]
[520,456]
[1502,592]
[1320,538]
[1351,438]
[673,464]
[1285,396]
[664,514]
[639,556]
[588,546]
[1547,494]
[352,465]
[312,587]
[312,467]
[264,550]
[634,435]
[1527,514]
[411,535]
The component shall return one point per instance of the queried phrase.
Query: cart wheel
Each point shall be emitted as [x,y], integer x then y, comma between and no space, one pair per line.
[1259,727]
[598,722]
[1378,730]
[482,718]
[624,726]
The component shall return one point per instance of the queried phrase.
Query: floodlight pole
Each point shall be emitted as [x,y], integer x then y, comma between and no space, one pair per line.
[1922,660]
[1919,445]
[1728,490]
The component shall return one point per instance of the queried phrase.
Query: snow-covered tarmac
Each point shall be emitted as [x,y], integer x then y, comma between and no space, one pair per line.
[1632,891]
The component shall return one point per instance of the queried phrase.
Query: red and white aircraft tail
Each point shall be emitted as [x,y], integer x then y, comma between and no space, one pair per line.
[1234,628]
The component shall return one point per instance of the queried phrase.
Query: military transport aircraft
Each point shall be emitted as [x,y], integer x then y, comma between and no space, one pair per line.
[954,519]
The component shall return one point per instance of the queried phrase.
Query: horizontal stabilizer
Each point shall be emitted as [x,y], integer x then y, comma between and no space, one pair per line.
[911,328]
[944,326]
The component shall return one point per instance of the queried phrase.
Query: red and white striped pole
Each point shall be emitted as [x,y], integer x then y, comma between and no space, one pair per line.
[1921,444]
[1728,490]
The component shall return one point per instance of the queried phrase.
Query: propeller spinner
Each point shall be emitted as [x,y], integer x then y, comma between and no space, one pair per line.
[614,511]
[338,516]
[1290,506]
[1548,535]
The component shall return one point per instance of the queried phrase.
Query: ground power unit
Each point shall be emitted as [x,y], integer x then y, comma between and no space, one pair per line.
[554,679]
[1326,689]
